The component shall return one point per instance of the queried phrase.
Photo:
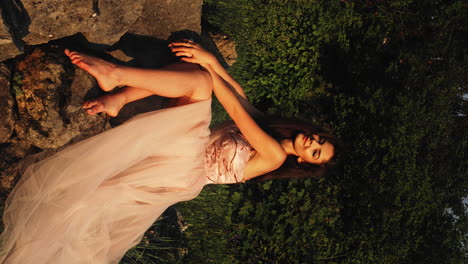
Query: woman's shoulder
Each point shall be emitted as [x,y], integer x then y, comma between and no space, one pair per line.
[258,165]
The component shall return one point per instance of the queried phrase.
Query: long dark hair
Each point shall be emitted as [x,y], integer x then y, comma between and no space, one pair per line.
[280,129]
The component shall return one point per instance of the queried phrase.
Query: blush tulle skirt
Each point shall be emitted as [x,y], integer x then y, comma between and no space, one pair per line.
[92,201]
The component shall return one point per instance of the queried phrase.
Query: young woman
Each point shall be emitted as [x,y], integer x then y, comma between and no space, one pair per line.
[92,201]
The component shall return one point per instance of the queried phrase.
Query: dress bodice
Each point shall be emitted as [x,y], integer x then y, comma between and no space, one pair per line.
[226,156]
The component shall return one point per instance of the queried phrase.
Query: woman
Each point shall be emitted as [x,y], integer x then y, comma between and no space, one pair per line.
[92,201]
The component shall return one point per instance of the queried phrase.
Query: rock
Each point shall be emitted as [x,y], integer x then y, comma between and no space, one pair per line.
[7,48]
[53,19]
[221,45]
[6,105]
[113,20]
[226,46]
[83,87]
[120,55]
[49,100]
[102,22]
[8,51]
[5,37]
[12,152]
[161,18]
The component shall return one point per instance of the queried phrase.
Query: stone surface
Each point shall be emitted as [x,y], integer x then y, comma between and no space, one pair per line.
[53,19]
[113,19]
[221,45]
[7,48]
[102,22]
[6,105]
[84,87]
[226,46]
[12,152]
[8,51]
[5,37]
[160,18]
[50,98]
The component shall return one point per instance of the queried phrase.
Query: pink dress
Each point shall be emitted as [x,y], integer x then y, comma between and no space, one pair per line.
[92,201]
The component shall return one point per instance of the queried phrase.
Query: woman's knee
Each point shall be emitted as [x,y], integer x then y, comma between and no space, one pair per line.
[200,79]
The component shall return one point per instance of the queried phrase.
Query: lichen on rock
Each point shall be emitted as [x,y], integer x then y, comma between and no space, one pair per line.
[48,108]
[6,105]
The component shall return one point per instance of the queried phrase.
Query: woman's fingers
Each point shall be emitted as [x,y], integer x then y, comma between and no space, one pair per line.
[190,52]
[187,59]
[183,53]
[176,49]
[180,44]
[183,44]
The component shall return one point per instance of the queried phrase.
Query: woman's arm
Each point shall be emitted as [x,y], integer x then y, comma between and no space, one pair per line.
[219,69]
[194,53]
[180,49]
[269,153]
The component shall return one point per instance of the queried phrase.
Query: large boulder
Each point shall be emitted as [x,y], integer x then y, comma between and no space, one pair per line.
[12,152]
[160,18]
[50,98]
[113,20]
[53,19]
[31,22]
[5,37]
[222,46]
[7,47]
[6,105]
[101,22]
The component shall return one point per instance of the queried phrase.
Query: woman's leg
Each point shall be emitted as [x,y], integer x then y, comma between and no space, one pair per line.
[185,80]
[112,103]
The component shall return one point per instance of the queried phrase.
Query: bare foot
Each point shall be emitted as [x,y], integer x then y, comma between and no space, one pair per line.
[104,71]
[110,104]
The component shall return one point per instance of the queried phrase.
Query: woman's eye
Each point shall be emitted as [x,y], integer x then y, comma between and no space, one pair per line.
[322,141]
[314,154]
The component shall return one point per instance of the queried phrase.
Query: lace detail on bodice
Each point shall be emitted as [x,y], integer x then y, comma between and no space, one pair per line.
[226,157]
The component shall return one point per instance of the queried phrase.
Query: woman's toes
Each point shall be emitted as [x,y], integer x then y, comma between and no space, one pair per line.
[88,104]
[95,109]
[67,52]
[71,54]
[90,111]
[91,106]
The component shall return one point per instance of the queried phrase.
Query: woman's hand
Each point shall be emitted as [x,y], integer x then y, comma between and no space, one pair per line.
[192,52]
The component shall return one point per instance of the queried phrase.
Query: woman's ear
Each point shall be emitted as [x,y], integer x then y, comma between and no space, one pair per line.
[300,160]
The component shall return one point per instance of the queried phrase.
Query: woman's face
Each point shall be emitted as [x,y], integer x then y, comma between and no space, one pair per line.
[313,149]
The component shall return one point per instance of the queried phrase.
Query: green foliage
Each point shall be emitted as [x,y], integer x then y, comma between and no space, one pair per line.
[153,248]
[280,43]
[209,231]
[387,78]
[17,83]
[288,227]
